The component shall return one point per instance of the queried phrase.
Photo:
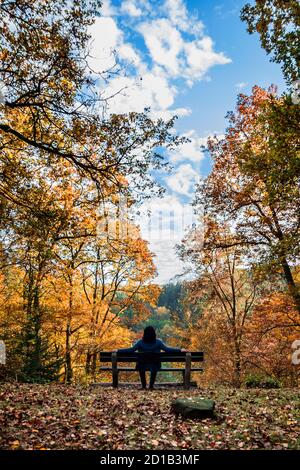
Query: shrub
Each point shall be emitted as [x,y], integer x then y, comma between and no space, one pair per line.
[257,381]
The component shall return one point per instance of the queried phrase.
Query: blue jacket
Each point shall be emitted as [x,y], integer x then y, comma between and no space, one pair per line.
[156,347]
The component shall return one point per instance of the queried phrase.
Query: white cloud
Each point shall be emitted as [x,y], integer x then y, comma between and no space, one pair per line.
[149,90]
[183,179]
[106,37]
[107,9]
[189,59]
[107,43]
[167,263]
[169,113]
[164,228]
[164,43]
[200,57]
[179,16]
[165,219]
[129,54]
[144,83]
[129,7]
[144,87]
[191,150]
[241,85]
[152,91]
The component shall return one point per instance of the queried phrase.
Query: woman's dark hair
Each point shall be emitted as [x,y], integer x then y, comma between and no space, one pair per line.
[149,335]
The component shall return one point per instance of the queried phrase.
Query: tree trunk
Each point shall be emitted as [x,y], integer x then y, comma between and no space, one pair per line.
[94,364]
[237,371]
[293,290]
[37,330]
[68,359]
[88,362]
[32,330]
[237,361]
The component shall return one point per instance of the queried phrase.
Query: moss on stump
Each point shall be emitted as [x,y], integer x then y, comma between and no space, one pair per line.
[194,408]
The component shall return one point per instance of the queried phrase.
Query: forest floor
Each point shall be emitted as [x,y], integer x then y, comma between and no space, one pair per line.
[76,417]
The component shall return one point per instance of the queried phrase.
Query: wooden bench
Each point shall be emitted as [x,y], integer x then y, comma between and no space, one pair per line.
[179,357]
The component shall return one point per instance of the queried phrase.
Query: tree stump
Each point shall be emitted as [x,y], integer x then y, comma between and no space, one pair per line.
[194,408]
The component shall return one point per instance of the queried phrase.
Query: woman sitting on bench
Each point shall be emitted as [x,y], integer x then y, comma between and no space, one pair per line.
[149,343]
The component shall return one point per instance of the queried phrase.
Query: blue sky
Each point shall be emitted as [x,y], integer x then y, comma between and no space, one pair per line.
[194,57]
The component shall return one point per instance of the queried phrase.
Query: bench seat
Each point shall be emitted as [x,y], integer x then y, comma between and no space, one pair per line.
[114,358]
[163,369]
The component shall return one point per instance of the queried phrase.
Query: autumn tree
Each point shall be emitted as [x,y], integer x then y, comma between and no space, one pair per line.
[77,278]
[273,328]
[53,99]
[28,241]
[44,68]
[115,279]
[254,184]
[228,290]
[68,256]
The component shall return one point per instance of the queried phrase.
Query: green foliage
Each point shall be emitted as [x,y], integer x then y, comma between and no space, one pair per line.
[164,317]
[171,297]
[278,163]
[40,360]
[259,381]
[277,22]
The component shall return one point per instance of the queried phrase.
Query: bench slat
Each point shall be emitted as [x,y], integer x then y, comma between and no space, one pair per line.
[158,385]
[163,369]
[150,357]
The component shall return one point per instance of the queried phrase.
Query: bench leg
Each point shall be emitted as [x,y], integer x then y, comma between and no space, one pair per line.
[183,376]
[114,369]
[187,372]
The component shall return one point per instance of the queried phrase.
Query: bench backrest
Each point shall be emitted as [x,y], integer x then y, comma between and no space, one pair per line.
[106,356]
